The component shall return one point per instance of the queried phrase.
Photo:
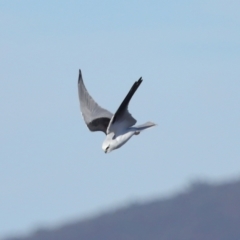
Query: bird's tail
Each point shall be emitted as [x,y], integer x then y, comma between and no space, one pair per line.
[142,127]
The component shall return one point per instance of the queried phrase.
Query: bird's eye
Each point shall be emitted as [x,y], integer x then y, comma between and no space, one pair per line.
[107,148]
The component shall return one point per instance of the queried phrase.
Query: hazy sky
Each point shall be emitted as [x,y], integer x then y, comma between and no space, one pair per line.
[52,169]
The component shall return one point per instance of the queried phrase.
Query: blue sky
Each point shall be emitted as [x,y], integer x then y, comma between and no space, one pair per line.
[52,169]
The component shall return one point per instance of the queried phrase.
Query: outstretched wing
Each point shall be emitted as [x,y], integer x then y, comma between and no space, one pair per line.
[122,118]
[96,118]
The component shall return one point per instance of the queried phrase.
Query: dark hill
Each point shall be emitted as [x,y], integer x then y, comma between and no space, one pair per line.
[204,212]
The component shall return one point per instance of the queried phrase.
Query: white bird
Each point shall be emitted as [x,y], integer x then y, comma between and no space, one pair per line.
[118,127]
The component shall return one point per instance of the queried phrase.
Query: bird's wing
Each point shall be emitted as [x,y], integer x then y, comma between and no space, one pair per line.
[96,118]
[122,118]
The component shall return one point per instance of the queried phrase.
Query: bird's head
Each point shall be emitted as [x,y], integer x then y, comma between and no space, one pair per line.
[106,147]
[108,144]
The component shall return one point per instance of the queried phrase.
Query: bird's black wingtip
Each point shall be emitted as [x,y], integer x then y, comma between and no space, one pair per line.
[80,75]
[140,80]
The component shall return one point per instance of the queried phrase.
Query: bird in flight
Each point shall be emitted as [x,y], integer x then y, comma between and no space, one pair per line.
[118,127]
